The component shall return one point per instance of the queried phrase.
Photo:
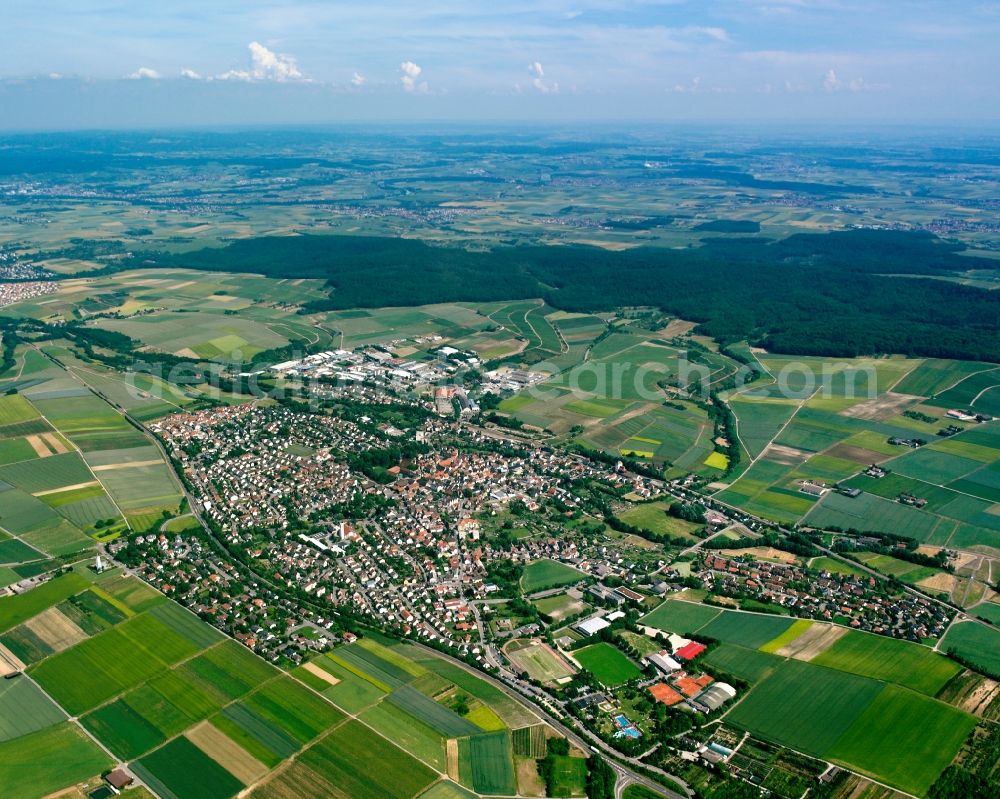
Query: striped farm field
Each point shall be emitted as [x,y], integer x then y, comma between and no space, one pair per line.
[442,719]
[289,706]
[359,762]
[785,638]
[48,474]
[265,743]
[487,758]
[889,659]
[408,732]
[25,709]
[182,770]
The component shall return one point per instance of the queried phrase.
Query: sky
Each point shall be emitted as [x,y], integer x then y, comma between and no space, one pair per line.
[68,64]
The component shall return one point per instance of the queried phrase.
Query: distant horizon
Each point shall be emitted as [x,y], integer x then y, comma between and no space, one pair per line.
[579,126]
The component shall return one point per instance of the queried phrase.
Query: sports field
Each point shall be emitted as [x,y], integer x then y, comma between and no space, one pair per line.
[547,573]
[539,661]
[677,616]
[607,664]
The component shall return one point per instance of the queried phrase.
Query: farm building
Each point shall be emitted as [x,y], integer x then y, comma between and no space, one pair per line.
[715,696]
[591,626]
[118,780]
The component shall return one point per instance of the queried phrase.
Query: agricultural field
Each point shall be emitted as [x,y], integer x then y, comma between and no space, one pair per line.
[750,630]
[607,664]
[855,721]
[543,574]
[903,739]
[821,424]
[745,664]
[84,466]
[197,715]
[49,760]
[890,660]
[976,643]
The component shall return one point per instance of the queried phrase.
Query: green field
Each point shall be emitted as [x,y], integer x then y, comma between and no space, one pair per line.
[546,573]
[408,732]
[49,760]
[804,707]
[976,643]
[750,630]
[184,771]
[569,776]
[489,761]
[352,693]
[361,763]
[443,720]
[289,706]
[786,637]
[96,669]
[20,608]
[904,739]
[677,616]
[744,664]
[25,709]
[653,516]
[889,659]
[14,409]
[607,664]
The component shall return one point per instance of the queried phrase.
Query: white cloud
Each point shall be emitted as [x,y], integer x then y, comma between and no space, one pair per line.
[409,77]
[266,65]
[144,73]
[832,83]
[537,73]
[358,79]
[190,74]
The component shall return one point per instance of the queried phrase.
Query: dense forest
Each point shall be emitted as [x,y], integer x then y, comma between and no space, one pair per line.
[842,294]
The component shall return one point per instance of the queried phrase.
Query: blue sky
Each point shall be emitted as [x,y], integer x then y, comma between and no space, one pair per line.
[85,63]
